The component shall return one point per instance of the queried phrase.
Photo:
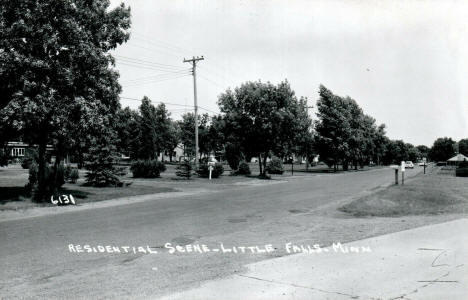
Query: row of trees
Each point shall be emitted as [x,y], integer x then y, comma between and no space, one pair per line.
[58,86]
[257,120]
[263,120]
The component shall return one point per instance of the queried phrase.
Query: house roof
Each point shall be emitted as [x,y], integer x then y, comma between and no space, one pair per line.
[458,157]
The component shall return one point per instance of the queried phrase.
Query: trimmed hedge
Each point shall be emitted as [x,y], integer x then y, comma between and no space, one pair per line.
[204,171]
[147,168]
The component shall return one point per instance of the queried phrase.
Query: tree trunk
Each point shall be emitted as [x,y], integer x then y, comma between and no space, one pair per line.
[345,166]
[264,162]
[40,191]
[260,163]
[58,160]
[80,156]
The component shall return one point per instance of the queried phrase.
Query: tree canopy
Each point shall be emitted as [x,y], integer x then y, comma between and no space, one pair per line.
[442,149]
[262,118]
[344,133]
[54,63]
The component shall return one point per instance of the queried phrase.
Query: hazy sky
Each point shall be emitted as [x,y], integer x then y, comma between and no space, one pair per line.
[404,62]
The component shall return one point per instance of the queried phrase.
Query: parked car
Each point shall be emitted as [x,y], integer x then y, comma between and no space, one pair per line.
[409,165]
[421,164]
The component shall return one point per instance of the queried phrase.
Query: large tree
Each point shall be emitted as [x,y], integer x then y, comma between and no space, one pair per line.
[262,118]
[333,128]
[463,147]
[147,135]
[54,59]
[442,149]
[423,150]
[187,134]
[127,128]
[345,134]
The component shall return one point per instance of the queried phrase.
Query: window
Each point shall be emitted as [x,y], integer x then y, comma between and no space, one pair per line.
[17,152]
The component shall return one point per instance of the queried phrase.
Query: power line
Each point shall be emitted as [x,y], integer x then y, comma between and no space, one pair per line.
[166,103]
[147,62]
[169,103]
[148,67]
[212,82]
[207,109]
[152,49]
[141,66]
[155,80]
[160,45]
[157,76]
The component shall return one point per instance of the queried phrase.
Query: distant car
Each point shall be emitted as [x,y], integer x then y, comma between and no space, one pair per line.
[421,164]
[409,165]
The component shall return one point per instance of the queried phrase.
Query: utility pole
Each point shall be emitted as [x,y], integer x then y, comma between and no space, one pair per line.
[194,60]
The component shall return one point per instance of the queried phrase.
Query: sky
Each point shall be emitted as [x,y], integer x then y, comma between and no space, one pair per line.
[404,62]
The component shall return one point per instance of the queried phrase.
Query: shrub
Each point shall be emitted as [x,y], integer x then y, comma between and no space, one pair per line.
[461,172]
[147,168]
[204,171]
[102,178]
[100,159]
[243,169]
[73,175]
[184,169]
[52,184]
[275,166]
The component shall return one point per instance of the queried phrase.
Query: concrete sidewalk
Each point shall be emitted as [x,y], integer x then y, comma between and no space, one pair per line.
[429,262]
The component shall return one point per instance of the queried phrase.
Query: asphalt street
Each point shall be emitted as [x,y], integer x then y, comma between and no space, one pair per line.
[39,259]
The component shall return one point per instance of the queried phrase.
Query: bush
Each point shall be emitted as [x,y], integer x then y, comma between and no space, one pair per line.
[102,178]
[184,169]
[461,172]
[243,169]
[204,171]
[275,166]
[71,174]
[51,184]
[147,168]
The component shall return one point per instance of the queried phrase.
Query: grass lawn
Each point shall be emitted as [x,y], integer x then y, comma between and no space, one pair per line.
[13,195]
[433,193]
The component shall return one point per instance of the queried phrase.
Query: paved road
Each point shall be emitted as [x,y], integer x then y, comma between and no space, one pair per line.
[36,261]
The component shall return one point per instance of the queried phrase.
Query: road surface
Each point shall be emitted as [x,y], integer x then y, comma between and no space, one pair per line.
[38,255]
